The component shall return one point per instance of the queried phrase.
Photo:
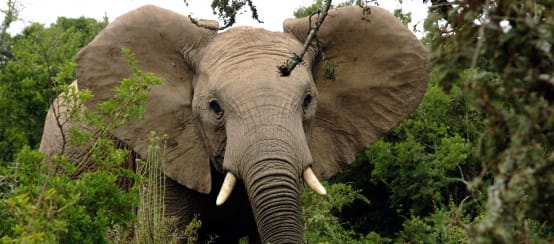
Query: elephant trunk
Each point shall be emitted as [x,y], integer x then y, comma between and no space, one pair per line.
[269,154]
[274,194]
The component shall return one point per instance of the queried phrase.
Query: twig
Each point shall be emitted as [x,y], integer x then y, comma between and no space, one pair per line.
[227,13]
[56,108]
[289,65]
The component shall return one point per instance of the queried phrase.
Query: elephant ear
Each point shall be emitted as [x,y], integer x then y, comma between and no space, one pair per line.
[165,44]
[374,75]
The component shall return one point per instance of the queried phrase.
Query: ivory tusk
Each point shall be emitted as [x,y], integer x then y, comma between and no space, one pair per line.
[313,182]
[226,189]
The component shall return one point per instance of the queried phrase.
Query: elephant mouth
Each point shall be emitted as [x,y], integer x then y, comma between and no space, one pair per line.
[220,150]
[218,155]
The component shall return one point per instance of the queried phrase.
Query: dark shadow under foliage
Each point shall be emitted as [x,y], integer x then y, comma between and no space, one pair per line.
[364,218]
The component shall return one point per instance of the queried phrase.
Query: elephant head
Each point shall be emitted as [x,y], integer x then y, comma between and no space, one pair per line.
[224,107]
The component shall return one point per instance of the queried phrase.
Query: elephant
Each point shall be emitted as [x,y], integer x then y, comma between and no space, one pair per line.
[233,121]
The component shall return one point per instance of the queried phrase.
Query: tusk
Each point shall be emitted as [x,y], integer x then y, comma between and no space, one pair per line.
[226,189]
[313,182]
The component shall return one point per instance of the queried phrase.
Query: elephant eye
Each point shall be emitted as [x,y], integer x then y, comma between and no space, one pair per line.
[307,102]
[216,108]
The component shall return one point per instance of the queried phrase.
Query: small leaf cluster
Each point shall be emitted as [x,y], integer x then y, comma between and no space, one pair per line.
[320,224]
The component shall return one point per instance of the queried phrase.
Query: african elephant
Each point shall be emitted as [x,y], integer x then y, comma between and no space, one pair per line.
[233,121]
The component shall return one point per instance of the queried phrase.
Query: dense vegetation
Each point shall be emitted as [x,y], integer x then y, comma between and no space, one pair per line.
[474,163]
[40,59]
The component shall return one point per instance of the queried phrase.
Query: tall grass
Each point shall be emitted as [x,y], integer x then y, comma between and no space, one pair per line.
[152,226]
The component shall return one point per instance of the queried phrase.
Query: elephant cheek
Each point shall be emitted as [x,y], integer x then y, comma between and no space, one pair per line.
[275,198]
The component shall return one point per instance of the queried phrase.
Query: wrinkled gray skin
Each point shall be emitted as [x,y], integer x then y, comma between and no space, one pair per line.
[226,109]
[264,118]
[260,125]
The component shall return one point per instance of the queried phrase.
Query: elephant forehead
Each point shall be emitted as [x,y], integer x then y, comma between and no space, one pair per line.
[247,58]
[244,45]
[246,82]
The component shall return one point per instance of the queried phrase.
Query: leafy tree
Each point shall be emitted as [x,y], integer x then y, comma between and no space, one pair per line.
[499,53]
[42,60]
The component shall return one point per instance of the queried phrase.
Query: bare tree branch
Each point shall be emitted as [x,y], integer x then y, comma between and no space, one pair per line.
[289,65]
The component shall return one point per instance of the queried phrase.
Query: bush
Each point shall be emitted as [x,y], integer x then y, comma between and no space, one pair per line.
[69,202]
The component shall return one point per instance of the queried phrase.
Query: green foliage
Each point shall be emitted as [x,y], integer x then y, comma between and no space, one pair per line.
[500,54]
[422,159]
[417,169]
[71,201]
[41,59]
[319,222]
[308,10]
[435,228]
[405,18]
[417,173]
[474,163]
[45,207]
[318,5]
[191,231]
